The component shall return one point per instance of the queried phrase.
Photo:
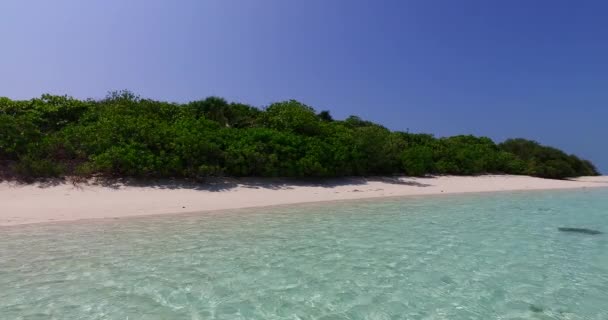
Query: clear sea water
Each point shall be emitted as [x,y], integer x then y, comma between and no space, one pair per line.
[482,256]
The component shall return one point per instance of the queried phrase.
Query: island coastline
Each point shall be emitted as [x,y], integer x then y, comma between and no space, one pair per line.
[69,201]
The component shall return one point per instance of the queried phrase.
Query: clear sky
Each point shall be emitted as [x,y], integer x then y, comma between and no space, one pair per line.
[519,68]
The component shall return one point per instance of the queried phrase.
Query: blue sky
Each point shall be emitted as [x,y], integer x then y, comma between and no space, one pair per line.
[534,69]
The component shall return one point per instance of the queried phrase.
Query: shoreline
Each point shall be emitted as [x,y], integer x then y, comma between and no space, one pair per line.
[39,203]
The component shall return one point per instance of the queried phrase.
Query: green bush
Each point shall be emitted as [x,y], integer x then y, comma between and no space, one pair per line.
[547,162]
[127,136]
[29,167]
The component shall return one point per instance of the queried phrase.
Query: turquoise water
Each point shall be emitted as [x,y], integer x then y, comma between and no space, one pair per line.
[484,256]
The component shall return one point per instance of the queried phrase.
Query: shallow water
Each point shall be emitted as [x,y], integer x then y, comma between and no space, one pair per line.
[484,256]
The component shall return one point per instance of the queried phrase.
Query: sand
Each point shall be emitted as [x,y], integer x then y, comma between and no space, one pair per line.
[37,203]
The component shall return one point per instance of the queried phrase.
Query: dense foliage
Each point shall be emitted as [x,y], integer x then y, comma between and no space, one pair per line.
[124,135]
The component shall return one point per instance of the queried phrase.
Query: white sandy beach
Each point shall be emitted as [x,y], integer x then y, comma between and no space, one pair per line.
[36,203]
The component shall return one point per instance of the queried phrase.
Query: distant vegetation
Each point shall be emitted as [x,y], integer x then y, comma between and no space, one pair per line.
[126,136]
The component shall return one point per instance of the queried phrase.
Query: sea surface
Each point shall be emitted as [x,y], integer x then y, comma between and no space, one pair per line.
[481,256]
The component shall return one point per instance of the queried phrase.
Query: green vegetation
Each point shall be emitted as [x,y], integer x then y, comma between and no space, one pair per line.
[124,135]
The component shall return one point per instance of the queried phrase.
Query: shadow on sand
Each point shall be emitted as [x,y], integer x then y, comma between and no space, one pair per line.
[224,184]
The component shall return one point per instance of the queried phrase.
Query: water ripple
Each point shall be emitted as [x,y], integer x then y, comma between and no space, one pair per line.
[492,256]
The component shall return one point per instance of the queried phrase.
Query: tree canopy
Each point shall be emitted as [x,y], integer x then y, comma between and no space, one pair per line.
[126,136]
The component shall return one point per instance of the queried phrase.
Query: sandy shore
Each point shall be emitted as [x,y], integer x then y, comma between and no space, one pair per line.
[35,203]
